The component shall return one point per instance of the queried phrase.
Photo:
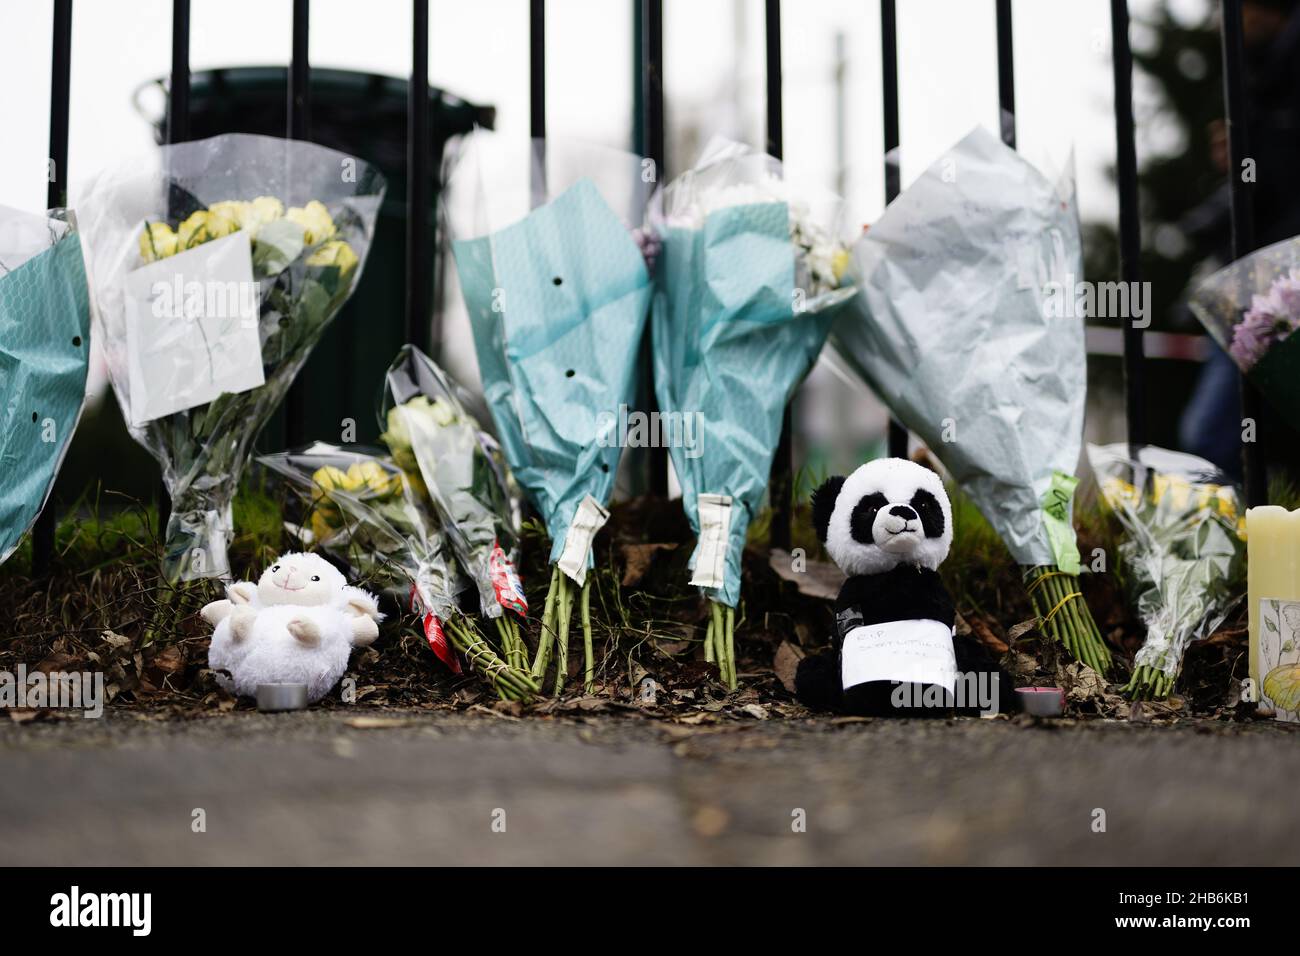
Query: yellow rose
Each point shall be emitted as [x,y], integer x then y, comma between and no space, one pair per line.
[260,212]
[371,476]
[227,217]
[194,230]
[266,209]
[418,488]
[335,253]
[329,478]
[315,219]
[157,241]
[839,262]
[321,528]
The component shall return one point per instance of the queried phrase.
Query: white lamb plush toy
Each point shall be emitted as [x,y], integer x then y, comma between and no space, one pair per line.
[298,624]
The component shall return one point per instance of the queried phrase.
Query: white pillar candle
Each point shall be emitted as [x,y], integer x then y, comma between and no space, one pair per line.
[1272,574]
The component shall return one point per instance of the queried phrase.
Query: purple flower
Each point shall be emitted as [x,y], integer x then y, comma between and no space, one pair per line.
[648,242]
[1271,318]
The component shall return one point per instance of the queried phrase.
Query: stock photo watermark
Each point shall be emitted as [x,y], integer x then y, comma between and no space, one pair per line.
[973,690]
[633,428]
[75,908]
[62,690]
[1077,298]
[212,299]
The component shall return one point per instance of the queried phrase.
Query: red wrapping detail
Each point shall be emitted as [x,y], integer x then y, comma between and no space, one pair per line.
[505,582]
[433,633]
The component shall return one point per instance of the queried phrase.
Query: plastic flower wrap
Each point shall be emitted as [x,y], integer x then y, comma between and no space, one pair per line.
[44,347]
[1252,308]
[1183,553]
[966,326]
[358,506]
[460,471]
[747,281]
[557,289]
[218,265]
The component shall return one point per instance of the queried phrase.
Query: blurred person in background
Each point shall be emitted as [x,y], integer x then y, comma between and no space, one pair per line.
[1211,423]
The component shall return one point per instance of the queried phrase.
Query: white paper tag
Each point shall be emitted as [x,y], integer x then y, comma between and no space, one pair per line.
[906,651]
[192,328]
[587,520]
[711,556]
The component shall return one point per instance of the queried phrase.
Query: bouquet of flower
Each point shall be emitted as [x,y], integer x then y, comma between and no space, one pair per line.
[1252,307]
[459,471]
[1183,555]
[557,289]
[217,271]
[963,328]
[747,281]
[358,506]
[44,339]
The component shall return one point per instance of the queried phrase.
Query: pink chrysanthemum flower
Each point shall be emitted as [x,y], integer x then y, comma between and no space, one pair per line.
[1271,318]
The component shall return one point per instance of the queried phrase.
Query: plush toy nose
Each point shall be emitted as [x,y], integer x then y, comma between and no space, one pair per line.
[904,512]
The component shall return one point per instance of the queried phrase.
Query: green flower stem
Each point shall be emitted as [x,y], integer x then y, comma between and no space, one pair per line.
[717,627]
[563,610]
[521,649]
[731,647]
[509,648]
[1149,683]
[1066,619]
[589,675]
[509,682]
[506,650]
[544,641]
[709,656]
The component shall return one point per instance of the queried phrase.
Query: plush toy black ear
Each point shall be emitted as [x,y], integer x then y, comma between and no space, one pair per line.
[823,504]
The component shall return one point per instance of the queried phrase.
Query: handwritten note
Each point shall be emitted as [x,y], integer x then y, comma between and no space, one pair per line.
[906,651]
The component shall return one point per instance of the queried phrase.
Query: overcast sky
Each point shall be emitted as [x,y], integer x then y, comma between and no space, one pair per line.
[713,71]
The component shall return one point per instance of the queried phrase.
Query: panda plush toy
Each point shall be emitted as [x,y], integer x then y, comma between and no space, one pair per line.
[889,526]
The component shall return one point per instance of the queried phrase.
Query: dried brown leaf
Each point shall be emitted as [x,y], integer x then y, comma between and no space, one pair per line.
[786,663]
[637,558]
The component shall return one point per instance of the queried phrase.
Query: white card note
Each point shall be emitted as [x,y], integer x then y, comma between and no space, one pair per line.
[192,328]
[906,651]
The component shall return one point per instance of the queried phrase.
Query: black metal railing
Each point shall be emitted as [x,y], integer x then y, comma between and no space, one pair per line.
[649,138]
[1243,220]
[1130,239]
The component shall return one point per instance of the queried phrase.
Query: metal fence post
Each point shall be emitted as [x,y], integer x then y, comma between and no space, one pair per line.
[537,101]
[177,131]
[781,480]
[648,137]
[893,171]
[1243,221]
[1130,242]
[418,147]
[299,127]
[1006,75]
[56,195]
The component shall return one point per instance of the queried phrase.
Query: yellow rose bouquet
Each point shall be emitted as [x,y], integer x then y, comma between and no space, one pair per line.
[1183,555]
[217,267]
[358,506]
